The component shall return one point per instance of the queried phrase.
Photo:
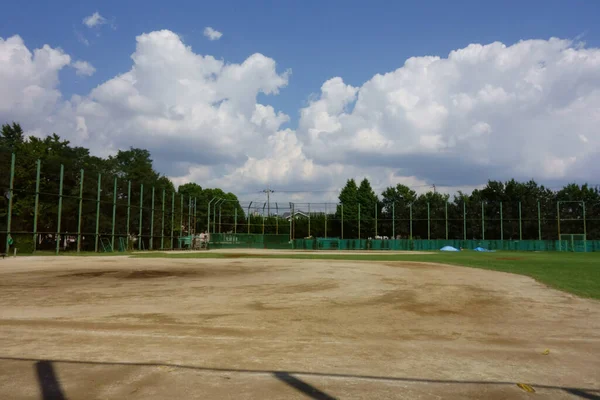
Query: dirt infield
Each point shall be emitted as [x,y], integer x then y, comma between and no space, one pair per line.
[116,327]
[276,251]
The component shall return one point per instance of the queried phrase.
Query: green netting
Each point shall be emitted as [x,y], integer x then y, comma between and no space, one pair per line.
[250,241]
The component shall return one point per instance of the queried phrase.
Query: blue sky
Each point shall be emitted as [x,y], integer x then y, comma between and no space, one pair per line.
[525,109]
[316,39]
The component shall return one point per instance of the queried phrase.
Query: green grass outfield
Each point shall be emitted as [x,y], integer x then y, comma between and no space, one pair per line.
[577,273]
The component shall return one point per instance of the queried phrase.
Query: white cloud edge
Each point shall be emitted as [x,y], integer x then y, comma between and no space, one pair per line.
[212,34]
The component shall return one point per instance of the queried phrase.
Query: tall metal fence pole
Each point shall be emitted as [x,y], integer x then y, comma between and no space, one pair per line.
[464,220]
[277,220]
[81,172]
[180,219]
[162,221]
[393,220]
[195,220]
[428,222]
[189,227]
[128,232]
[235,220]
[292,217]
[482,221]
[97,236]
[141,215]
[410,221]
[376,220]
[584,223]
[309,219]
[342,206]
[11,193]
[60,198]
[37,203]
[249,216]
[540,221]
[220,205]
[172,217]
[446,217]
[114,216]
[150,244]
[208,215]
[325,221]
[215,216]
[359,222]
[520,224]
[501,224]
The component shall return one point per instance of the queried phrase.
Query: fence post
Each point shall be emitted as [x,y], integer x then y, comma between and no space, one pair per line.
[249,205]
[428,222]
[173,218]
[195,216]
[180,218]
[446,216]
[376,220]
[342,220]
[37,200]
[292,222]
[584,224]
[80,210]
[309,219]
[128,214]
[97,236]
[520,225]
[277,220]
[208,215]
[60,196]
[394,220]
[162,228]
[114,216]
[410,221]
[215,216]
[263,218]
[540,221]
[501,224]
[558,222]
[220,205]
[235,220]
[464,219]
[189,227]
[141,211]
[150,244]
[11,192]
[482,222]
[359,221]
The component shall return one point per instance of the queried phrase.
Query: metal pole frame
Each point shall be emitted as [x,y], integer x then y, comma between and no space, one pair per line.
[180,219]
[263,215]
[308,219]
[446,216]
[141,215]
[428,222]
[11,193]
[464,219]
[114,216]
[376,220]
[208,215]
[37,203]
[128,214]
[162,228]
[501,224]
[220,205]
[482,221]
[172,220]
[249,205]
[60,198]
[540,220]
[215,214]
[342,206]
[97,236]
[520,223]
[80,209]
[410,221]
[150,244]
[394,220]
[359,221]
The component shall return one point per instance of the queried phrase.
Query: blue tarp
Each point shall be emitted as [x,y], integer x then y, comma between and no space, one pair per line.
[483,250]
[449,248]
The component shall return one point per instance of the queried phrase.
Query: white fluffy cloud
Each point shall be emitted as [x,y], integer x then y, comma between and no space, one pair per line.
[94,20]
[212,34]
[489,111]
[529,110]
[84,68]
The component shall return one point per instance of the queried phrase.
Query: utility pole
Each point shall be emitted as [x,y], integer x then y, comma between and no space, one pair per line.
[268,192]
[434,188]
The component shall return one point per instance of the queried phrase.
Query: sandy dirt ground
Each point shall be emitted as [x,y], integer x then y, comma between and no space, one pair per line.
[122,328]
[274,252]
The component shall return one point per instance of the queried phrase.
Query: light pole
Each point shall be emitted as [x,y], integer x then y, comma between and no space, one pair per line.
[208,216]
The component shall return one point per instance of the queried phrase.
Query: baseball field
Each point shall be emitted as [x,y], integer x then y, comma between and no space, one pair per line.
[300,325]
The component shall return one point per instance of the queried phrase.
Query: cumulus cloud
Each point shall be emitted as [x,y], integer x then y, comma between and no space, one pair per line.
[212,34]
[485,110]
[94,20]
[529,110]
[84,68]
[29,81]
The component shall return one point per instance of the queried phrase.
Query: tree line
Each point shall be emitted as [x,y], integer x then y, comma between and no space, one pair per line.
[501,210]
